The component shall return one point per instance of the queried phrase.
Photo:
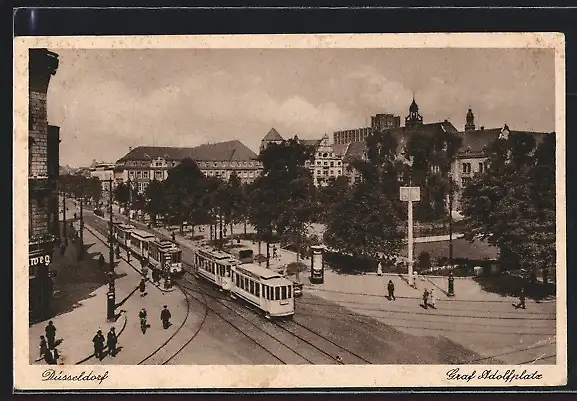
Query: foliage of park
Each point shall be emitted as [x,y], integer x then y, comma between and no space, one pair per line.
[512,205]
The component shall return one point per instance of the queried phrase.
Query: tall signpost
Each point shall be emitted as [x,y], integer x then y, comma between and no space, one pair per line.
[81,251]
[111,295]
[410,195]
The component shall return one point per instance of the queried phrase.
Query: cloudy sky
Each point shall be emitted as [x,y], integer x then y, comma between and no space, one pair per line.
[106,101]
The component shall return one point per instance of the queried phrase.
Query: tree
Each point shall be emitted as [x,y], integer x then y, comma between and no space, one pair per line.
[363,225]
[512,205]
[185,189]
[431,158]
[329,197]
[368,220]
[156,200]
[233,202]
[122,194]
[282,196]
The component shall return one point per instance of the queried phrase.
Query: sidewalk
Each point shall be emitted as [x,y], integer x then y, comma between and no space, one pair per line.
[76,328]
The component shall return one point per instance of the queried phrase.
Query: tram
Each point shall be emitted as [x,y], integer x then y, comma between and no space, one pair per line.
[122,233]
[139,240]
[244,255]
[215,267]
[164,255]
[263,288]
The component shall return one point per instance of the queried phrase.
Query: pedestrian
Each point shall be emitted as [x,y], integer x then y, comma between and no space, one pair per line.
[274,253]
[111,342]
[101,261]
[173,237]
[128,255]
[521,303]
[426,298]
[55,356]
[142,316]
[165,317]
[117,252]
[451,289]
[51,357]
[142,287]
[50,331]
[379,269]
[98,341]
[433,301]
[43,346]
[391,290]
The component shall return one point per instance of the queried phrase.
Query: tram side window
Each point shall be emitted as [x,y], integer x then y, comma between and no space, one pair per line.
[283,292]
[290,288]
[257,289]
[251,288]
[267,292]
[276,293]
[227,271]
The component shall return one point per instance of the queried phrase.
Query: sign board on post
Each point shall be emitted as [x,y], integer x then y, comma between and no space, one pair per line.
[410,194]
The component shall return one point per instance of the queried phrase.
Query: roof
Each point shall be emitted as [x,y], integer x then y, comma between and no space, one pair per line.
[259,271]
[310,142]
[142,233]
[273,135]
[340,149]
[221,151]
[355,151]
[476,141]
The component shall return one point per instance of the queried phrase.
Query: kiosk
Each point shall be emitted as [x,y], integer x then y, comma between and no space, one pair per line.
[317,264]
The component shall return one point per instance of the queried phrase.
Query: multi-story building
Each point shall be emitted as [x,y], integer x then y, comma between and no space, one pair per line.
[104,172]
[379,122]
[327,161]
[43,171]
[143,164]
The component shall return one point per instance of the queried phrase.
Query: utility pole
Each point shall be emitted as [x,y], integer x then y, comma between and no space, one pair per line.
[64,213]
[111,295]
[81,251]
[451,221]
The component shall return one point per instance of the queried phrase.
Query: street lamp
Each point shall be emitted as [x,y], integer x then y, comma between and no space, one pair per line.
[81,251]
[111,295]
[450,220]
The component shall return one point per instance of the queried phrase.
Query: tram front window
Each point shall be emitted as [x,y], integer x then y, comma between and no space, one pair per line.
[283,292]
[276,293]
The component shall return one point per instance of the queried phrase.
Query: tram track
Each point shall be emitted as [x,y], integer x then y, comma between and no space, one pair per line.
[181,326]
[276,329]
[283,359]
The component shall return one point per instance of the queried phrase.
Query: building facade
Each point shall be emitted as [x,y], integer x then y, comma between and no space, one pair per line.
[146,163]
[43,171]
[104,172]
[379,122]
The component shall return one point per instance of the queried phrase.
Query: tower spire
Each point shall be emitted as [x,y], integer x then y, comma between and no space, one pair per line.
[414,118]
[470,120]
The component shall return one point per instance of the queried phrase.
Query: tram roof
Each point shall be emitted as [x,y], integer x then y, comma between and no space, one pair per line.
[124,226]
[142,233]
[259,271]
[216,254]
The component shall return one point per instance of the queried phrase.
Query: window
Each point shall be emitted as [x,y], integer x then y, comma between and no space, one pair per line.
[325,163]
[332,172]
[290,288]
[145,174]
[251,287]
[481,167]
[467,168]
[332,164]
[465,181]
[318,172]
[325,172]
[215,164]
[338,163]
[276,293]
[325,154]
[257,289]
[283,292]
[251,164]
[318,162]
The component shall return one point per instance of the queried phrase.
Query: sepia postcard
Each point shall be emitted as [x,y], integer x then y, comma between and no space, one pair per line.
[289,211]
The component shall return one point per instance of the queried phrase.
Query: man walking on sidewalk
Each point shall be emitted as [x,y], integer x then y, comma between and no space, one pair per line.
[391,290]
[111,341]
[98,341]
[50,331]
[43,346]
[426,298]
[142,287]
[165,317]
[521,303]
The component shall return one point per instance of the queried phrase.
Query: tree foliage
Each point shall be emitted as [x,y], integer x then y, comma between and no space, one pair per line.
[80,185]
[512,205]
[368,220]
